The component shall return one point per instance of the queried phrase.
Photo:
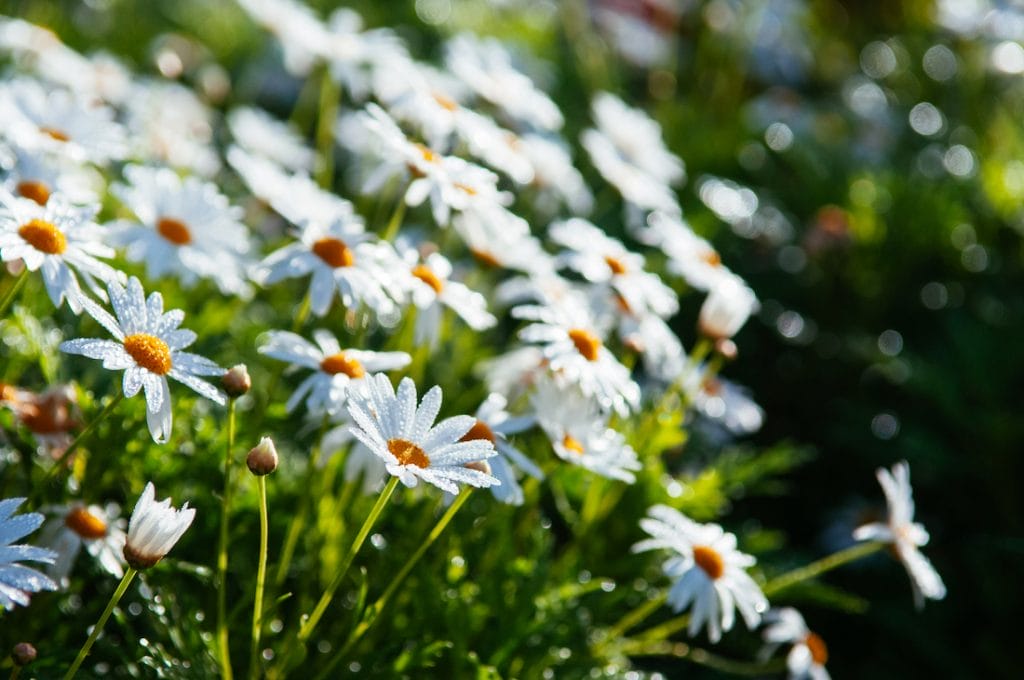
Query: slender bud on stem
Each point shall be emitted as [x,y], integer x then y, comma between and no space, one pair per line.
[262,459]
[23,654]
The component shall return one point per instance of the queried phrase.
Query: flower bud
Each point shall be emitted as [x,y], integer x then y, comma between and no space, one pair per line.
[237,381]
[154,528]
[262,459]
[726,348]
[23,654]
[480,466]
[726,308]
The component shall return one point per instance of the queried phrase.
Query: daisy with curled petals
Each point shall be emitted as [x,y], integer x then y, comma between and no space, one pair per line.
[147,346]
[807,656]
[494,424]
[905,535]
[711,573]
[405,438]
[186,227]
[58,239]
[99,529]
[17,581]
[342,258]
[336,371]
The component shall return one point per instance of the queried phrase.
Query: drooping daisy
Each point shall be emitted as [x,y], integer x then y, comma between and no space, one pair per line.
[905,535]
[342,258]
[37,175]
[186,227]
[726,308]
[17,581]
[335,369]
[259,133]
[155,527]
[58,239]
[724,402]
[711,573]
[579,433]
[99,529]
[148,347]
[808,655]
[405,437]
[494,424]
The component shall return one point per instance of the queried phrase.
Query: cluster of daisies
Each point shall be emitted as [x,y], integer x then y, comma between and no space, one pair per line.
[477,144]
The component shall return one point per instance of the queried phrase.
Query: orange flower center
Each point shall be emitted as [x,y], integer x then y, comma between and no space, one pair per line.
[465,187]
[408,453]
[427,276]
[339,363]
[586,342]
[480,430]
[174,231]
[43,236]
[572,444]
[712,258]
[34,191]
[446,103]
[709,560]
[819,651]
[149,351]
[615,265]
[485,258]
[54,133]
[85,524]
[427,153]
[334,252]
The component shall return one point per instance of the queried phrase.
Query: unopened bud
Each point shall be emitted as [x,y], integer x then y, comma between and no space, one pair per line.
[726,348]
[23,654]
[262,459]
[237,381]
[480,466]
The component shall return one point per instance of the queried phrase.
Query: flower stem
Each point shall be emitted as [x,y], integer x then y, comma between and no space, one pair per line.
[819,567]
[114,599]
[396,218]
[699,656]
[12,292]
[371,613]
[327,113]
[634,617]
[86,431]
[15,672]
[222,553]
[261,578]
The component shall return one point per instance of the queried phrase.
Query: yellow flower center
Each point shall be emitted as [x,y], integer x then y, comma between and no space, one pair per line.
[819,651]
[427,276]
[712,258]
[149,351]
[586,343]
[615,265]
[339,363]
[446,103]
[710,561]
[334,252]
[43,236]
[427,153]
[480,430]
[485,258]
[34,191]
[174,231]
[408,453]
[85,524]
[54,133]
[466,188]
[572,444]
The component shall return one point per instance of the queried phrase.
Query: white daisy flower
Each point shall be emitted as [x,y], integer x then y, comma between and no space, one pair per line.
[356,55]
[689,255]
[59,239]
[99,529]
[343,258]
[905,535]
[555,175]
[186,227]
[726,308]
[154,529]
[497,237]
[37,175]
[656,342]
[17,581]
[495,146]
[808,655]
[50,416]
[58,121]
[494,424]
[336,371]
[427,98]
[579,433]
[405,437]
[301,34]
[259,133]
[148,348]
[170,125]
[711,573]
[724,402]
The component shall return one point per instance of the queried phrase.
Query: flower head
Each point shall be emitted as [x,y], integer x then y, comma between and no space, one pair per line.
[726,308]
[494,424]
[808,654]
[98,529]
[17,581]
[154,529]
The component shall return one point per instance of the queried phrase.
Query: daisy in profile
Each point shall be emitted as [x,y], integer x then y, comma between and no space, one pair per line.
[405,437]
[185,227]
[18,582]
[57,239]
[261,134]
[342,259]
[905,535]
[579,433]
[336,371]
[494,424]
[98,529]
[155,527]
[808,655]
[689,255]
[710,572]
[497,237]
[726,308]
[147,346]
[37,175]
[654,340]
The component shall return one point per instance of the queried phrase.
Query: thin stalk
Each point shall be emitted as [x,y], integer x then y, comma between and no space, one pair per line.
[371,614]
[15,672]
[327,112]
[298,522]
[391,231]
[12,292]
[682,650]
[633,618]
[114,599]
[302,313]
[819,567]
[86,431]
[222,553]
[261,578]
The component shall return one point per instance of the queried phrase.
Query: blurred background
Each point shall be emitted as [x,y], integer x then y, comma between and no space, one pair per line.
[861,164]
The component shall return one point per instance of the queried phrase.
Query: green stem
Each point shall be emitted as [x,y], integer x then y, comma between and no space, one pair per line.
[114,599]
[86,431]
[12,292]
[682,650]
[222,553]
[371,614]
[15,672]
[391,231]
[302,313]
[819,567]
[634,617]
[327,113]
[261,577]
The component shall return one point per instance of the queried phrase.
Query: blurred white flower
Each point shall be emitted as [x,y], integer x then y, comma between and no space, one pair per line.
[155,527]
[39,174]
[726,308]
[690,256]
[303,37]
[807,656]
[99,529]
[17,581]
[259,133]
[170,125]
[494,424]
